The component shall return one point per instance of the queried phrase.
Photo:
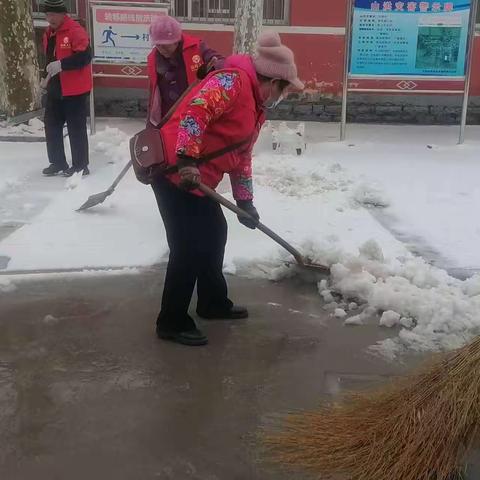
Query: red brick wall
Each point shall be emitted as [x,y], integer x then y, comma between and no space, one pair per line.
[319,55]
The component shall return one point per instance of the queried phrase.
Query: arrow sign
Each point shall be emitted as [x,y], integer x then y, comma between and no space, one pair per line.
[136,37]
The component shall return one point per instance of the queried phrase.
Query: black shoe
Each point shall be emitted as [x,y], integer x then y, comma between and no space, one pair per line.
[52,170]
[73,170]
[192,338]
[235,313]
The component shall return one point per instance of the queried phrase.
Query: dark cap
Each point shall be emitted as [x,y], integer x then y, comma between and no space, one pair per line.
[56,6]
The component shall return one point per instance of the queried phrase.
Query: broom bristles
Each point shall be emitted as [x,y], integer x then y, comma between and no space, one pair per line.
[417,428]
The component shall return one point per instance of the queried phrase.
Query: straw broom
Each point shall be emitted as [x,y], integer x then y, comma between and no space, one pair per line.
[417,428]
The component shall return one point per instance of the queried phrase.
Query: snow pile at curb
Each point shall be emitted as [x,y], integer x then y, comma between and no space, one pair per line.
[432,310]
[34,128]
[112,142]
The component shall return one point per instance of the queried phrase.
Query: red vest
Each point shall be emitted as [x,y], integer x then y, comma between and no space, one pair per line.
[235,125]
[192,57]
[71,37]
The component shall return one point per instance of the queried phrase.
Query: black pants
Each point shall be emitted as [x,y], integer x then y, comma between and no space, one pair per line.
[196,234]
[73,111]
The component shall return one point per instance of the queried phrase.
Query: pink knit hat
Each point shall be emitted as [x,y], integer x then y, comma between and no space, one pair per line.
[274,60]
[165,30]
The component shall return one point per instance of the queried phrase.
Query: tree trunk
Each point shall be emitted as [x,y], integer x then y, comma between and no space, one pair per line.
[248,24]
[19,74]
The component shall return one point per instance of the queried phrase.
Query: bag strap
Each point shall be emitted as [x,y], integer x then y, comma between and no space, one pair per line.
[169,114]
[211,156]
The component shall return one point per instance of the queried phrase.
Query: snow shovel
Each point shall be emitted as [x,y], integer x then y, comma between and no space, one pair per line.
[299,258]
[99,198]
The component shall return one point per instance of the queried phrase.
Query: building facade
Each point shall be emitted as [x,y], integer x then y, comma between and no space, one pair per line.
[315,30]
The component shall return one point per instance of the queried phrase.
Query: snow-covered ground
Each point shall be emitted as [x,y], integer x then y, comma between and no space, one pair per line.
[369,207]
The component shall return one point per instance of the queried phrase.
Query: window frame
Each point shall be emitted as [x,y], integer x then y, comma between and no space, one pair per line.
[189,18]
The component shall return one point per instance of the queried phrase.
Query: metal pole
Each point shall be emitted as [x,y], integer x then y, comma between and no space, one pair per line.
[468,72]
[92,93]
[346,68]
[93,125]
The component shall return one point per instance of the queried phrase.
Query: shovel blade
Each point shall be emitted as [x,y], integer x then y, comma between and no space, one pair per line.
[316,268]
[310,266]
[94,200]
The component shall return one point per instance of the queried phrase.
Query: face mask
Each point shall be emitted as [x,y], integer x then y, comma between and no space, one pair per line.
[272,104]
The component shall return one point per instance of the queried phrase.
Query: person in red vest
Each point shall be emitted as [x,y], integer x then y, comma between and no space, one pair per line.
[67,48]
[225,109]
[176,61]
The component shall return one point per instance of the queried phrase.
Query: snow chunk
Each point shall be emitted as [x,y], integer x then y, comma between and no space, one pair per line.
[327,296]
[355,320]
[74,181]
[331,306]
[407,322]
[340,313]
[390,319]
[361,318]
[50,320]
[371,250]
[322,285]
[36,125]
[6,285]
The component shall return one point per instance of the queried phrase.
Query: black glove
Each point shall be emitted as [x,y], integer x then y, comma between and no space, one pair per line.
[202,72]
[206,68]
[247,206]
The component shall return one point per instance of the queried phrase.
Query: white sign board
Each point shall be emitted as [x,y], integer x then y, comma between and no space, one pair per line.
[121,34]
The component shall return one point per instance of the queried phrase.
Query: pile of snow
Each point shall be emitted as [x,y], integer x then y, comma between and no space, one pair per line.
[301,177]
[112,142]
[432,310]
[33,128]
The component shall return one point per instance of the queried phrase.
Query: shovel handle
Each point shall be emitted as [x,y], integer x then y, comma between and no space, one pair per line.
[126,168]
[242,213]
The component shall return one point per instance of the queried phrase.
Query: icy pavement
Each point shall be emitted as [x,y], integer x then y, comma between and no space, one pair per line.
[88,392]
[392,210]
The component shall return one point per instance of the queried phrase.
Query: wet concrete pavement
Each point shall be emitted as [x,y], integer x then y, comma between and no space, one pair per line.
[88,392]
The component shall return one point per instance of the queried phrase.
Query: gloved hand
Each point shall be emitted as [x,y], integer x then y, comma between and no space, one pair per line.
[54,68]
[206,68]
[43,85]
[189,177]
[248,206]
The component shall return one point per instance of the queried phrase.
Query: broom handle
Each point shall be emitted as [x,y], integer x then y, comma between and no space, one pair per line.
[242,213]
